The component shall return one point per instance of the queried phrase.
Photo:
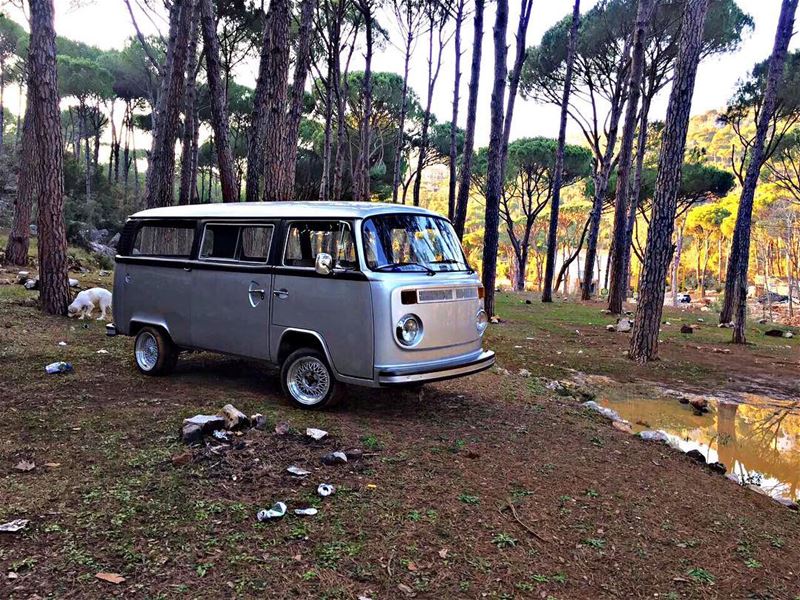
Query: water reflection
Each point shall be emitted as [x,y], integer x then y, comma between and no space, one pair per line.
[757,438]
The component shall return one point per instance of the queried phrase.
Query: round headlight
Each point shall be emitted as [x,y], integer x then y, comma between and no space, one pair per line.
[481,321]
[409,330]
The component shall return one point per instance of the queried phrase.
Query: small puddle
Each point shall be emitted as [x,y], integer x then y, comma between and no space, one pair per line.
[756,437]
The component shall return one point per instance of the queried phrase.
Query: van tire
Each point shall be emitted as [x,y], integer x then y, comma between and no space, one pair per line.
[152,341]
[313,364]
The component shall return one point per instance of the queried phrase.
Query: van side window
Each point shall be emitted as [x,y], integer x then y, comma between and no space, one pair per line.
[219,241]
[255,243]
[246,243]
[307,239]
[166,241]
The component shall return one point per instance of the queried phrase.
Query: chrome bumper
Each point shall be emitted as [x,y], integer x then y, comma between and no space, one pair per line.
[434,372]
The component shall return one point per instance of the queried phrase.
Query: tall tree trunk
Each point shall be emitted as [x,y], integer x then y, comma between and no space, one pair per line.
[185,193]
[462,199]
[325,180]
[255,144]
[48,170]
[87,157]
[676,264]
[552,232]
[451,184]
[433,76]
[619,284]
[659,249]
[739,258]
[400,139]
[275,132]
[601,177]
[19,236]
[361,179]
[494,185]
[2,108]
[513,77]
[302,65]
[636,187]
[219,104]
[161,170]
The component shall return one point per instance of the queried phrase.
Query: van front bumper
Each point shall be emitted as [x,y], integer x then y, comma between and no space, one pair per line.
[474,363]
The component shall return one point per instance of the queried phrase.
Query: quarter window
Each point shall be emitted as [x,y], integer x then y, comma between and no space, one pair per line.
[166,241]
[227,242]
[307,239]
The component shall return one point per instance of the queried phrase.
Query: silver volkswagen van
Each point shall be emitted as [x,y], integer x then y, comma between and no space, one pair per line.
[367,294]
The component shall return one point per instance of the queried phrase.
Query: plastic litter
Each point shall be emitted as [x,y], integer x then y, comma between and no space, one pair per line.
[276,512]
[282,428]
[326,489]
[62,343]
[14,526]
[606,412]
[305,512]
[221,435]
[316,434]
[102,351]
[297,471]
[58,367]
[654,436]
[334,458]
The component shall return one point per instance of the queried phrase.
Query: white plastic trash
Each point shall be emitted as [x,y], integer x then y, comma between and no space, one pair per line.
[276,512]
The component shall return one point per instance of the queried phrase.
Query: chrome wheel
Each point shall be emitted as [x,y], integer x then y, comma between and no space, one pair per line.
[146,351]
[308,380]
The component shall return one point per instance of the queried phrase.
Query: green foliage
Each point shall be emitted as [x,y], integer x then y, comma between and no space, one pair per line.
[83,78]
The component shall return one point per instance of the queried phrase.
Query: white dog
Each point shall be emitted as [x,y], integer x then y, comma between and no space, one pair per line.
[86,301]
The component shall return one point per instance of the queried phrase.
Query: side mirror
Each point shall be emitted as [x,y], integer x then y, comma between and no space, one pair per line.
[323,263]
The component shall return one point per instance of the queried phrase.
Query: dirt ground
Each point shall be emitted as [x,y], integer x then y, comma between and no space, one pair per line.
[487,487]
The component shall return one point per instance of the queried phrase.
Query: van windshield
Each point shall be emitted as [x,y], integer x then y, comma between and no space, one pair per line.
[412,243]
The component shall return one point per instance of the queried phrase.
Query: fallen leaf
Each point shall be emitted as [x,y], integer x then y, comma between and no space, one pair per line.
[443,553]
[184,458]
[25,465]
[412,566]
[52,465]
[405,589]
[12,575]
[114,578]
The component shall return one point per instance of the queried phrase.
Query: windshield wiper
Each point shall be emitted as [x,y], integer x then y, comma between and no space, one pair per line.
[395,265]
[453,261]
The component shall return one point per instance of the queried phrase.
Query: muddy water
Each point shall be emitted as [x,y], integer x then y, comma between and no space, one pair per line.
[756,437]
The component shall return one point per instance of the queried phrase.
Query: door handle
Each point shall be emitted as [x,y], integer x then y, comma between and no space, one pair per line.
[283,293]
[261,293]
[187,269]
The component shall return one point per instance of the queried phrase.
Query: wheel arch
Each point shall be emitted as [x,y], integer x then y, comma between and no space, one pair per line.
[293,339]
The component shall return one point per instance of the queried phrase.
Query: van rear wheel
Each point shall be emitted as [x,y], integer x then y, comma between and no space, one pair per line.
[154,352]
[308,380]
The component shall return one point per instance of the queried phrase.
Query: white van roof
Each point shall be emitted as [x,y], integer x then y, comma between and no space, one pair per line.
[281,210]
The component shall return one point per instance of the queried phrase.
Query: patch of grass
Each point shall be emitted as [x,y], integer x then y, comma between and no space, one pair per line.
[596,543]
[330,553]
[469,499]
[504,540]
[371,442]
[701,575]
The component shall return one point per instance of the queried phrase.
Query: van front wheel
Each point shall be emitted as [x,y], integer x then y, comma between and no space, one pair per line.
[308,381]
[154,352]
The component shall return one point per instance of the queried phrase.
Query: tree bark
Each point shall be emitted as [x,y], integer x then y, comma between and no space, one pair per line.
[19,236]
[619,288]
[258,120]
[161,170]
[301,67]
[48,170]
[361,178]
[186,192]
[739,258]
[451,185]
[278,89]
[433,76]
[219,108]
[659,249]
[552,233]
[462,199]
[399,141]
[494,184]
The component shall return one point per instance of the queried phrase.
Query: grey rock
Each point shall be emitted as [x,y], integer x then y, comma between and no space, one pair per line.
[696,455]
[191,434]
[234,418]
[334,458]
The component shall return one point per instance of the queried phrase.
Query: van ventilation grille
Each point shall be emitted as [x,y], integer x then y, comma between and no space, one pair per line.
[447,294]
